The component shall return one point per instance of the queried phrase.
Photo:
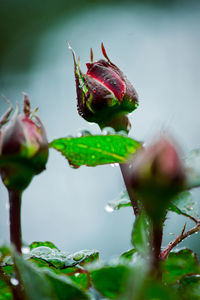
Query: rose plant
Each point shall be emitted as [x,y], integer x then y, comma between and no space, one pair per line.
[157,180]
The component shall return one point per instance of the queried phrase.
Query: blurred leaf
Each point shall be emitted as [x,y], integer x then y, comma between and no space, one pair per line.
[110,280]
[179,264]
[140,234]
[184,204]
[122,201]
[96,150]
[192,164]
[35,285]
[46,244]
[154,290]
[189,287]
[64,288]
[128,254]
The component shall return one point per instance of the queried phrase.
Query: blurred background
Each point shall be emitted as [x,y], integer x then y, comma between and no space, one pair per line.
[157,45]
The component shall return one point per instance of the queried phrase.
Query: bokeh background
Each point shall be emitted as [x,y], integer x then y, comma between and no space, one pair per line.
[157,45]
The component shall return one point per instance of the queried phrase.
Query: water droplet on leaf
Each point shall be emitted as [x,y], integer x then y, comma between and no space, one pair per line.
[109,208]
[14,281]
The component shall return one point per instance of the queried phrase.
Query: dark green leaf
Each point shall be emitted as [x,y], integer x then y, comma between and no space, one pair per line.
[96,150]
[189,287]
[122,201]
[128,254]
[110,280]
[184,204]
[140,234]
[192,163]
[46,244]
[179,264]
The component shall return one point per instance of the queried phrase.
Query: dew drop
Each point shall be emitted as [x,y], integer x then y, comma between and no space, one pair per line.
[114,165]
[77,274]
[14,281]
[25,250]
[108,208]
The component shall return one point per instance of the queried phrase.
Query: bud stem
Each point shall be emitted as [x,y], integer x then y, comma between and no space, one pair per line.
[157,233]
[125,174]
[15,218]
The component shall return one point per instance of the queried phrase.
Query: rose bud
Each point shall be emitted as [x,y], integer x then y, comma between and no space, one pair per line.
[104,94]
[157,176]
[23,147]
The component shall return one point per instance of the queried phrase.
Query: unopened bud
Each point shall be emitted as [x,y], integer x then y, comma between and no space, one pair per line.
[23,148]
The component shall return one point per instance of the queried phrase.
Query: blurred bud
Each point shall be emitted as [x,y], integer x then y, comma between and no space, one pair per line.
[23,147]
[158,175]
[104,93]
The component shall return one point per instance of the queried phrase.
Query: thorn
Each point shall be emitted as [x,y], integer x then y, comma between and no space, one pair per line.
[183,231]
[4,118]
[104,52]
[91,55]
[27,106]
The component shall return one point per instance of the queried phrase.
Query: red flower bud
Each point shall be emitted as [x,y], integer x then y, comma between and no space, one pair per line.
[23,147]
[103,92]
[157,176]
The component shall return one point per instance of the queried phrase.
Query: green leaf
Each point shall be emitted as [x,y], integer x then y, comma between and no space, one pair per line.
[122,201]
[154,290]
[35,285]
[189,287]
[140,234]
[184,204]
[192,164]
[60,259]
[44,284]
[64,288]
[128,254]
[39,244]
[96,150]
[179,264]
[110,280]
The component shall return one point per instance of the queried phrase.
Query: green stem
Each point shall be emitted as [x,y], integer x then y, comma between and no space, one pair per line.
[15,218]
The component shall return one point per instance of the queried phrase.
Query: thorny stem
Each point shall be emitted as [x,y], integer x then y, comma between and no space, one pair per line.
[179,239]
[15,218]
[125,174]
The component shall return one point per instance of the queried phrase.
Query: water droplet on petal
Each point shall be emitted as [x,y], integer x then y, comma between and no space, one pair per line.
[109,208]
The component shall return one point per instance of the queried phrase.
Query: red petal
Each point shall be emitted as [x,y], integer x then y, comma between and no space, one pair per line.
[103,73]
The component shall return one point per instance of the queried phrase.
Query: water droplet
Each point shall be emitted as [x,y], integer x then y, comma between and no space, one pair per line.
[78,256]
[77,274]
[114,165]
[14,281]
[84,132]
[109,208]
[25,250]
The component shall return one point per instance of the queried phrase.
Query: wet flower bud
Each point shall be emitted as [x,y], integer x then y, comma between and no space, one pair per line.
[157,176]
[23,148]
[104,93]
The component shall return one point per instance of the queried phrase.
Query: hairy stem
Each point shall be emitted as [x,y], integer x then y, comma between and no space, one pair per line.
[125,174]
[179,239]
[15,218]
